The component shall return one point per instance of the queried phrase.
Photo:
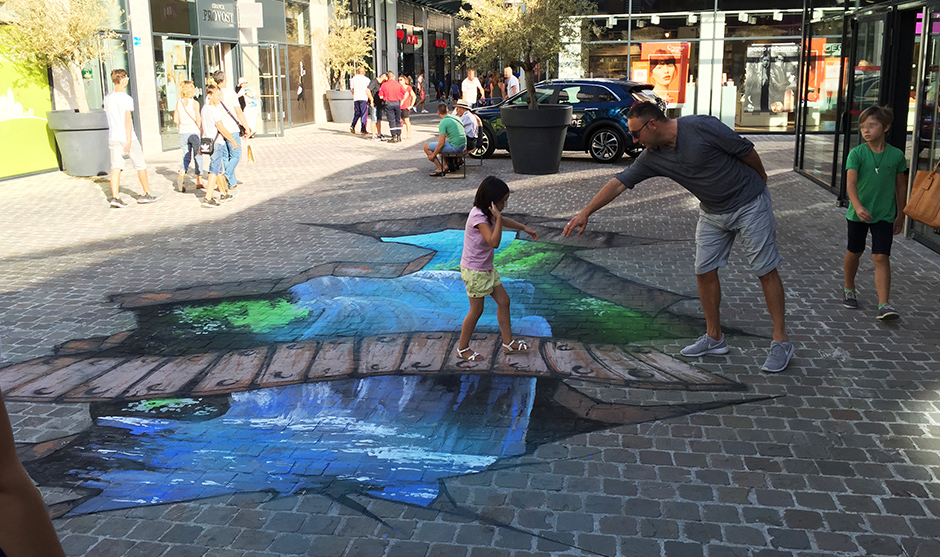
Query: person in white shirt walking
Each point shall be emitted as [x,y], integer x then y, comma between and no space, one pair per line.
[512,82]
[471,88]
[214,127]
[359,85]
[187,118]
[122,140]
[236,123]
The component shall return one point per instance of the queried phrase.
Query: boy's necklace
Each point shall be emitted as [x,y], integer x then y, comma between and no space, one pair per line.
[879,161]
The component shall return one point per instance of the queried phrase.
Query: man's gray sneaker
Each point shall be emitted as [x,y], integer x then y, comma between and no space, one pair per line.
[849,300]
[888,313]
[779,357]
[146,199]
[705,345]
[116,203]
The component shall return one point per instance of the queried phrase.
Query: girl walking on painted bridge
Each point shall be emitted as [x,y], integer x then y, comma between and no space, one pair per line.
[482,234]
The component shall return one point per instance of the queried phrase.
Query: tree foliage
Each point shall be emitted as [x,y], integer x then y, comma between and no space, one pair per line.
[345,46]
[522,34]
[47,33]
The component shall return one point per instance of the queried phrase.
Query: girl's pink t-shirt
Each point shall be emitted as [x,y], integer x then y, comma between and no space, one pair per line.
[477,254]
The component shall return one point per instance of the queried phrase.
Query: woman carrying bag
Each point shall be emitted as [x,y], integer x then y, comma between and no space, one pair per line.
[188,120]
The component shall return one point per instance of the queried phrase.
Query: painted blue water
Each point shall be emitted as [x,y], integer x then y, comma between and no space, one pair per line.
[395,437]
[434,299]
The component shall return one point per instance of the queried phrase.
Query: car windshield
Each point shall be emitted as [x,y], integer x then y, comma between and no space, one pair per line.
[542,92]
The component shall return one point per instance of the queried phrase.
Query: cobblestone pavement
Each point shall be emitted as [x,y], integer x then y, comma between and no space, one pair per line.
[838,455]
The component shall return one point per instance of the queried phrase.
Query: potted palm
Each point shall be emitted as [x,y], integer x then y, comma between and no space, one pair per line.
[525,34]
[64,35]
[344,49]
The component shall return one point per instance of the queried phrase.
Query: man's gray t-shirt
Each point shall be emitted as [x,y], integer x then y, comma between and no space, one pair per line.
[706,161]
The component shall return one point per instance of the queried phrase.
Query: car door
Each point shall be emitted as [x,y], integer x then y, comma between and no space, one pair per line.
[583,111]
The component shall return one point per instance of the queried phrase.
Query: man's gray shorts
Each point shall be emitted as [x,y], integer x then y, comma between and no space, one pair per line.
[755,225]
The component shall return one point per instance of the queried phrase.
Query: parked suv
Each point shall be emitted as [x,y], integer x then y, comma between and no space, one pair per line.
[599,117]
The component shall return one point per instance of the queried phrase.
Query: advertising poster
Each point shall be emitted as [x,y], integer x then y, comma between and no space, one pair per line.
[666,67]
[770,77]
[28,145]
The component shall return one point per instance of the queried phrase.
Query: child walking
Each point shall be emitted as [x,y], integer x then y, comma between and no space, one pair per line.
[876,184]
[482,234]
[122,140]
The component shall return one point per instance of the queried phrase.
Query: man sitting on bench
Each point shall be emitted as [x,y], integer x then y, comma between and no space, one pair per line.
[471,124]
[451,140]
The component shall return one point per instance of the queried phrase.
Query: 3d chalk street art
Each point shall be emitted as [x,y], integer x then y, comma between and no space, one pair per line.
[344,381]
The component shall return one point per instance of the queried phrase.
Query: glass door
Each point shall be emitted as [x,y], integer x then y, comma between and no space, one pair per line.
[822,82]
[861,88]
[264,95]
[213,60]
[926,136]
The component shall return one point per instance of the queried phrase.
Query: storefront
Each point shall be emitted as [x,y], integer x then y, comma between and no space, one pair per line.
[880,55]
[719,57]
[427,43]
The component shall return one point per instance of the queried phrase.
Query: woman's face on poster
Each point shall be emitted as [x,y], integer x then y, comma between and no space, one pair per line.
[663,72]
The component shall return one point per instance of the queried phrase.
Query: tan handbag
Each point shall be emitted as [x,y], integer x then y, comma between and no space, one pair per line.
[249,155]
[924,204]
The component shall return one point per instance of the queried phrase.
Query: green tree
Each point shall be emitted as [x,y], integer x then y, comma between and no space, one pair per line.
[346,46]
[57,33]
[523,34]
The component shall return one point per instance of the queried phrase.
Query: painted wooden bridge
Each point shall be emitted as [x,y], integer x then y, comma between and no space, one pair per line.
[90,371]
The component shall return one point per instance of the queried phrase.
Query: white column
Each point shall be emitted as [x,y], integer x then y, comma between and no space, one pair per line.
[711,50]
[569,59]
[143,77]
[319,23]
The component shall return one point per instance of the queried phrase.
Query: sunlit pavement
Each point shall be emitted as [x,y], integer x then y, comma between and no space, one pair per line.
[838,455]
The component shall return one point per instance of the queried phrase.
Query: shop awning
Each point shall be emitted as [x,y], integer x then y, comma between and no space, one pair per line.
[446,6]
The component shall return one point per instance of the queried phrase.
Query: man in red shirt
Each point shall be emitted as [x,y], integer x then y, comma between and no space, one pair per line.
[392,93]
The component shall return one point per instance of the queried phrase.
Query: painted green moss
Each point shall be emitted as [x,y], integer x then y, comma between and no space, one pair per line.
[259,316]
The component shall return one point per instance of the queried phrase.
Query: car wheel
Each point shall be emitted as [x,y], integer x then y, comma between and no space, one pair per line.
[605,145]
[486,144]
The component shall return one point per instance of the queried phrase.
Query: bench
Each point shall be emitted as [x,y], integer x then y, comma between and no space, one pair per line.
[457,161]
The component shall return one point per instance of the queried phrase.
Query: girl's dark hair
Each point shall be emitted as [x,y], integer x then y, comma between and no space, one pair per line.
[491,190]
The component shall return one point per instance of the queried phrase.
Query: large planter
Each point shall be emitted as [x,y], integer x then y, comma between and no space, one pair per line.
[536,137]
[342,108]
[82,139]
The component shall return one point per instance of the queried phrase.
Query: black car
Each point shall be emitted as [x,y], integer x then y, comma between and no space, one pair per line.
[599,117]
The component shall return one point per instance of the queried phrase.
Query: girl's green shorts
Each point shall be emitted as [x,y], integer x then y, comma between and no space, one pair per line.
[480,284]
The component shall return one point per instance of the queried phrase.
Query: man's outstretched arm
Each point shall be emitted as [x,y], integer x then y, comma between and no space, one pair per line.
[608,193]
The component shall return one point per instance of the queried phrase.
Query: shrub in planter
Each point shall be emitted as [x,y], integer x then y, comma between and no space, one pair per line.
[344,49]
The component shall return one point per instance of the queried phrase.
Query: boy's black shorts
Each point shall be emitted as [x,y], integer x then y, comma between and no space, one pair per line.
[882,234]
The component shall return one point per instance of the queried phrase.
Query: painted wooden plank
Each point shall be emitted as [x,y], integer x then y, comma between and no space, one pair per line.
[381,354]
[485,344]
[16,375]
[56,384]
[678,368]
[572,359]
[426,352]
[289,364]
[112,384]
[628,368]
[170,379]
[233,372]
[335,359]
[529,363]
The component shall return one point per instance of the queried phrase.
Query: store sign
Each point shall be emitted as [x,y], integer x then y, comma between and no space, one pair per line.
[440,43]
[217,18]
[404,37]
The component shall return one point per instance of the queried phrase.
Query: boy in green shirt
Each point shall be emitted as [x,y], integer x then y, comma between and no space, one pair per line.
[876,185]
[451,140]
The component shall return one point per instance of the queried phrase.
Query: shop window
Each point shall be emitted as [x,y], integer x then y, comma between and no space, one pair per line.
[273,30]
[298,23]
[174,16]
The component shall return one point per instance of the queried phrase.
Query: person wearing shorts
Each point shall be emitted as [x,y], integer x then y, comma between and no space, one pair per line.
[451,139]
[725,173]
[118,106]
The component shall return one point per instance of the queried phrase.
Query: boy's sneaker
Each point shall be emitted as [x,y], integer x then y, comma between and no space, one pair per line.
[209,203]
[888,313]
[849,300]
[146,199]
[779,357]
[705,345]
[116,203]
[226,197]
